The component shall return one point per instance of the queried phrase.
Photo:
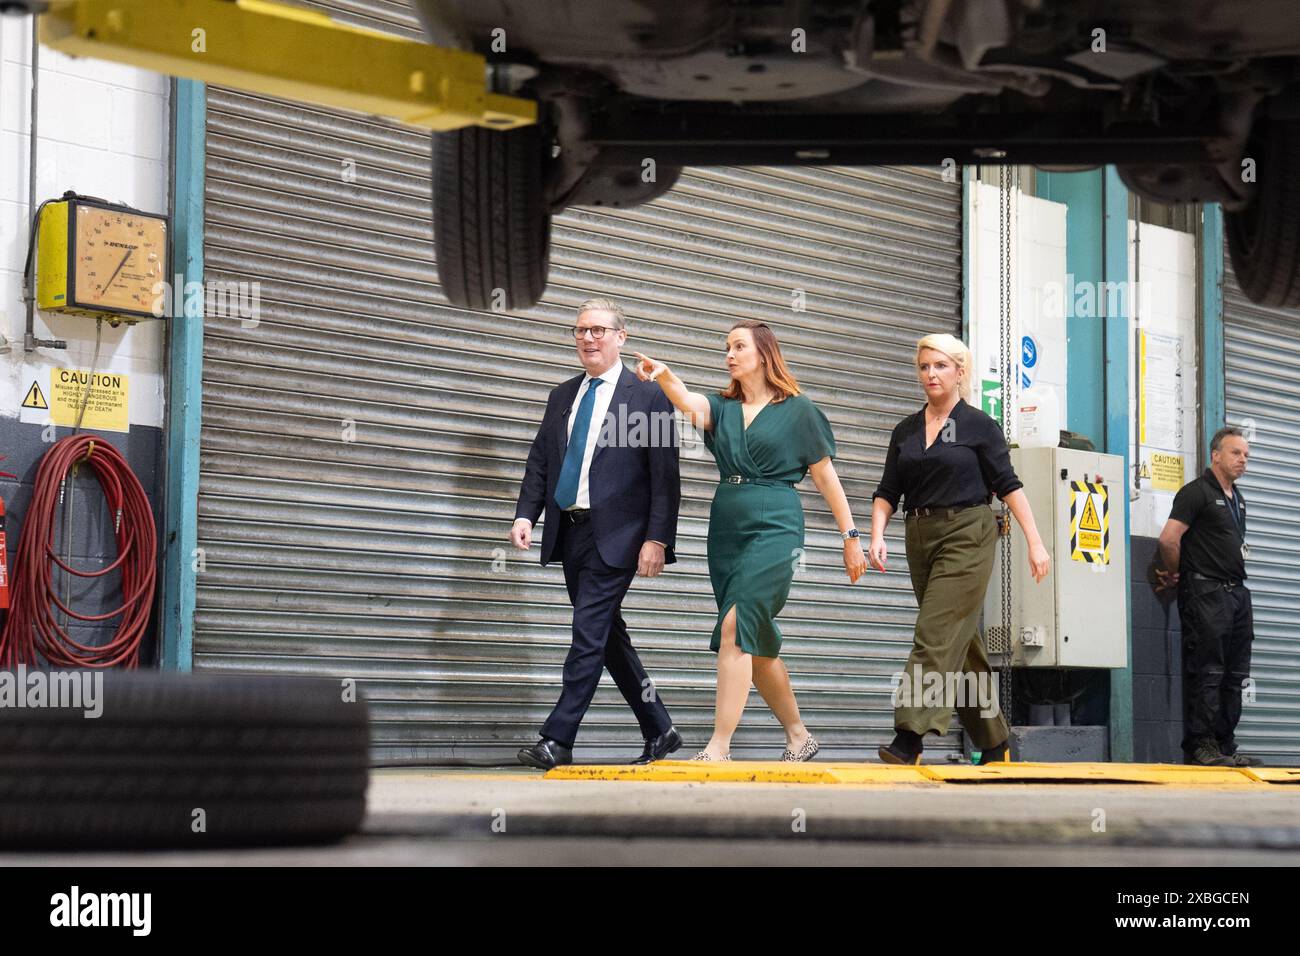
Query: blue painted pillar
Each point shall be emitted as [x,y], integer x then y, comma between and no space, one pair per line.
[1118,347]
[1098,354]
[1213,404]
[184,379]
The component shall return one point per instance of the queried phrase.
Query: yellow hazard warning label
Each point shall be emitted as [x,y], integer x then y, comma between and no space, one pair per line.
[106,402]
[35,397]
[1166,471]
[1089,522]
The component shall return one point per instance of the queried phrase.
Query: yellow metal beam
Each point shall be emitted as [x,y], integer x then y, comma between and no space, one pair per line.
[288,52]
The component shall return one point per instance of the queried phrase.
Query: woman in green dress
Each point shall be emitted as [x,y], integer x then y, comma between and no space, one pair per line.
[765,435]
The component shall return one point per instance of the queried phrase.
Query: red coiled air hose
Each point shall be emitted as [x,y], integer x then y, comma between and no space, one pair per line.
[32,632]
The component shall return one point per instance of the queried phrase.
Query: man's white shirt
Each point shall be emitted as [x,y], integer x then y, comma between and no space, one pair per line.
[604,395]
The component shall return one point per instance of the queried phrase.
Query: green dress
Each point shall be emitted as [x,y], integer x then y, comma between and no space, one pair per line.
[756,530]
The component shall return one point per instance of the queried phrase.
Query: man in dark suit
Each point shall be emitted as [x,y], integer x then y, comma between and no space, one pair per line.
[604,469]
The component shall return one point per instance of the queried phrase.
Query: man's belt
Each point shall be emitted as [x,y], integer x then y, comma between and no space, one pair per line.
[1226,582]
[947,511]
[742,480]
[578,515]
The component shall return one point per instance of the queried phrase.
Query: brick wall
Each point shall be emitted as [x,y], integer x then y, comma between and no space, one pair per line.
[1157,664]
[103,132]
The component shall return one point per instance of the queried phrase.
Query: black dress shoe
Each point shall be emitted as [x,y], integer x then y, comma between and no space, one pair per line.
[546,754]
[657,748]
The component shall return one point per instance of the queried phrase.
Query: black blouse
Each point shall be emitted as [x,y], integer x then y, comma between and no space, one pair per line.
[967,464]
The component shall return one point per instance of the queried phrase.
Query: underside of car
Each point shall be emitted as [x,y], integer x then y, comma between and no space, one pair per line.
[1193,101]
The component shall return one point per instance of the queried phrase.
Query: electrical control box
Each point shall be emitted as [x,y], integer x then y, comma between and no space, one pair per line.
[1078,615]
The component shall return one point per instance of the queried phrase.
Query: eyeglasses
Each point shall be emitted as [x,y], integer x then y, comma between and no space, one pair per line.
[597,331]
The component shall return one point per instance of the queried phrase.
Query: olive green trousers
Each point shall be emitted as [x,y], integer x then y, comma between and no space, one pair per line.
[950,558]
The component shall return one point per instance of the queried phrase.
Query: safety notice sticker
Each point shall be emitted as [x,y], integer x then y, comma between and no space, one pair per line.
[1166,471]
[35,397]
[56,395]
[1089,522]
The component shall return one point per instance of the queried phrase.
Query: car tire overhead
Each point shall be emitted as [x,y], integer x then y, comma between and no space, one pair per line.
[1264,237]
[491,227]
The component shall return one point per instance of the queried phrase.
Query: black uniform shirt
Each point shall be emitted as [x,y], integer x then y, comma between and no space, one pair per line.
[1215,529]
[967,464]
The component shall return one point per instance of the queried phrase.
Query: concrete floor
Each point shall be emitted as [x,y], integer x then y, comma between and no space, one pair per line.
[513,817]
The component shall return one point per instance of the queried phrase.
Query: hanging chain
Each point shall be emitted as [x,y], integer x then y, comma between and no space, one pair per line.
[1007,176]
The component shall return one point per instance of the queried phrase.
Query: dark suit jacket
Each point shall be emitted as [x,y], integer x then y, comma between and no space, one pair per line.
[634,479]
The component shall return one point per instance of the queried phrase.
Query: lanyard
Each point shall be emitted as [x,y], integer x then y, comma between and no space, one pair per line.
[1236,516]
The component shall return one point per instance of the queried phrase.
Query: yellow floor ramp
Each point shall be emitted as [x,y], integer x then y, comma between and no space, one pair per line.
[773,771]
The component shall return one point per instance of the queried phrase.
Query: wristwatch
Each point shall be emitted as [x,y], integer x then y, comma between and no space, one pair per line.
[851,533]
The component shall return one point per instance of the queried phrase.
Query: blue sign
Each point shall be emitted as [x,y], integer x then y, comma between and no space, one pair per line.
[1028,360]
[1028,352]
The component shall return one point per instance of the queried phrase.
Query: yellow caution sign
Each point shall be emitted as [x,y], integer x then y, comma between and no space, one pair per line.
[105,402]
[35,398]
[1166,471]
[1089,522]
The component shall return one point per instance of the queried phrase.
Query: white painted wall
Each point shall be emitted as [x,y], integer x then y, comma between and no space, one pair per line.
[1037,280]
[102,131]
[1165,305]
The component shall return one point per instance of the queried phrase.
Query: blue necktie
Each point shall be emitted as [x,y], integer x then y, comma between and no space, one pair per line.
[566,491]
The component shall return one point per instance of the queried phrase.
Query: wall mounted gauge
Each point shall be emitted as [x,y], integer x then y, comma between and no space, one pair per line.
[99,259]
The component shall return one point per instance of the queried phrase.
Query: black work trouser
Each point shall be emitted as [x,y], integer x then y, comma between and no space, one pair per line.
[1217,630]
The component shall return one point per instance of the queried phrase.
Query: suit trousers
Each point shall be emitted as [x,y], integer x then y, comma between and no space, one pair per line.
[950,557]
[600,640]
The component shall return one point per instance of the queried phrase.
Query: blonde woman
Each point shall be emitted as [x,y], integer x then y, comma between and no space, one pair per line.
[765,435]
[946,462]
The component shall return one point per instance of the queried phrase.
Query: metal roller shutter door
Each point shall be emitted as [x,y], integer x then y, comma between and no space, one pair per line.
[1261,362]
[384,558]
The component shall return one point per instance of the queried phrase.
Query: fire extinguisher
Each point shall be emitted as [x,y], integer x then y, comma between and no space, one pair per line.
[4,568]
[4,554]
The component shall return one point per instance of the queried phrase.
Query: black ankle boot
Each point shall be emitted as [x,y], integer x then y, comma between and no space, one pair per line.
[992,754]
[905,749]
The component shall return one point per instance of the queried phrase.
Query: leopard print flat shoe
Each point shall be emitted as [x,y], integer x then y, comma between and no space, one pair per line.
[704,757]
[806,752]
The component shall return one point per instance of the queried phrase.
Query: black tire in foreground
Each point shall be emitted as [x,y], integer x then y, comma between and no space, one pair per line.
[491,226]
[177,760]
[1264,237]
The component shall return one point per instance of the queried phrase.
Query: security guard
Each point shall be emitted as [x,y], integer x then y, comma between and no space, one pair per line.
[1205,539]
